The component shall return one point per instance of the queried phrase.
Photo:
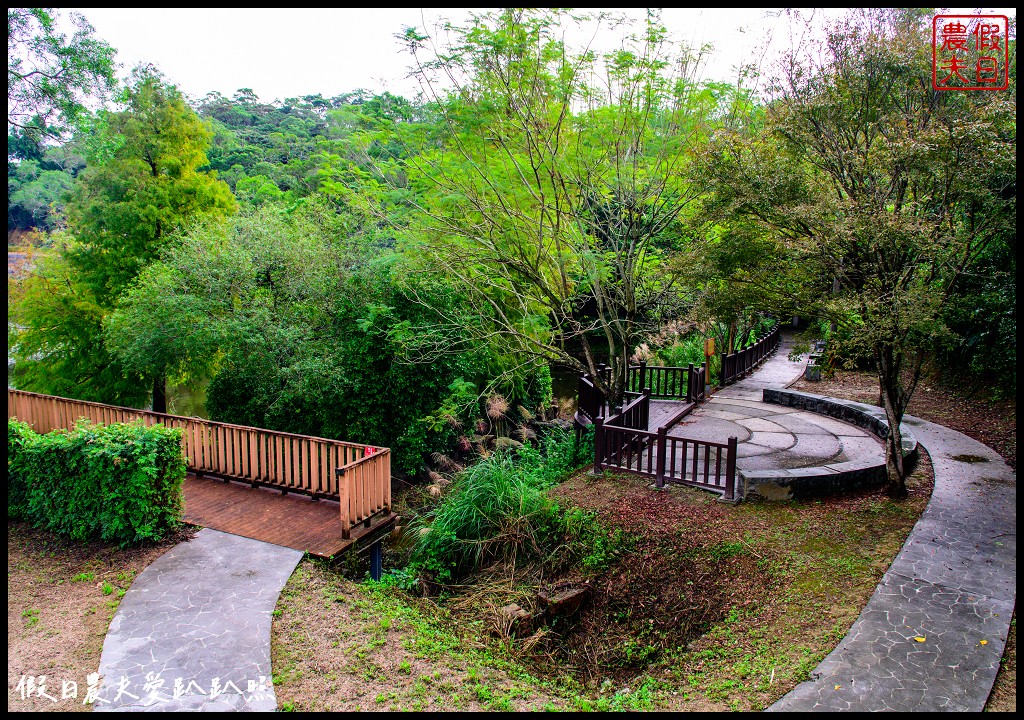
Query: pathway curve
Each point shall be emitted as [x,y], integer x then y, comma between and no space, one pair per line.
[933,633]
[193,630]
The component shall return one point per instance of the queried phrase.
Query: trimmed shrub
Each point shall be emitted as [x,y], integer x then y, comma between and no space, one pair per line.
[120,483]
[18,434]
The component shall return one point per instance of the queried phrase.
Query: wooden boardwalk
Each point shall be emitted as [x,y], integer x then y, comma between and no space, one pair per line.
[293,521]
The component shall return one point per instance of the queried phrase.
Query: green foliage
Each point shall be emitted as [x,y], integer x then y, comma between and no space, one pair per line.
[50,76]
[689,349]
[498,508]
[35,197]
[873,193]
[19,435]
[127,207]
[57,339]
[982,319]
[555,191]
[120,483]
[301,329]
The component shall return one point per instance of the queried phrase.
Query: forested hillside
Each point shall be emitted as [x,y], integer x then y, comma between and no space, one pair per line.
[386,268]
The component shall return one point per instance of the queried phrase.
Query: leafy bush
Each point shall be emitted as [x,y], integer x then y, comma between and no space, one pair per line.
[498,509]
[18,435]
[683,352]
[121,482]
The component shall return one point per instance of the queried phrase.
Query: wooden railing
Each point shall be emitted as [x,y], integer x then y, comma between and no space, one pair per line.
[357,476]
[674,383]
[635,414]
[736,365]
[590,400]
[699,463]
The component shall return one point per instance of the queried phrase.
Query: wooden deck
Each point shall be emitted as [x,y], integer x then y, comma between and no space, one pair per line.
[662,411]
[293,521]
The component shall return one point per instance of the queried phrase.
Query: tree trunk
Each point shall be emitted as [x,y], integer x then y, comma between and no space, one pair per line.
[889,391]
[160,395]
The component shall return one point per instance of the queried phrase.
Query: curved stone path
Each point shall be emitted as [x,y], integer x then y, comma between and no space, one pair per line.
[953,584]
[193,630]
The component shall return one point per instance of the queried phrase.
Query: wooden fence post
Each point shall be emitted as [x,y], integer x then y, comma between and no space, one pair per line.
[730,470]
[643,373]
[598,441]
[346,515]
[659,476]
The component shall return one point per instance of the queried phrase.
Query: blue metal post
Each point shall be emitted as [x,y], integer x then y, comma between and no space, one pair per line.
[376,560]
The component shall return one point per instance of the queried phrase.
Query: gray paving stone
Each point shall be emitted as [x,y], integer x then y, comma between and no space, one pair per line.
[698,427]
[201,614]
[773,440]
[863,446]
[762,424]
[818,449]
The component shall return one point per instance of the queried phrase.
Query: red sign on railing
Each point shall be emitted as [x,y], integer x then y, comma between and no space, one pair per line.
[369,451]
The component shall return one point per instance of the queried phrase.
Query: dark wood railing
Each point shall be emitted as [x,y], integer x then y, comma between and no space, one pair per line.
[698,463]
[357,476]
[673,383]
[738,364]
[623,440]
[635,414]
[590,400]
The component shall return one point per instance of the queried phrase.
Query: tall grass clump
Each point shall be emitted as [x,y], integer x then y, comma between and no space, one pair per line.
[681,353]
[497,509]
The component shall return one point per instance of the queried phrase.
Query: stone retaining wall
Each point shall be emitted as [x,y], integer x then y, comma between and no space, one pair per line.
[836,478]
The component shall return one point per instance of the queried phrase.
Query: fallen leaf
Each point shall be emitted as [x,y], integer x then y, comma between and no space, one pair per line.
[920,639]
[984,642]
[838,686]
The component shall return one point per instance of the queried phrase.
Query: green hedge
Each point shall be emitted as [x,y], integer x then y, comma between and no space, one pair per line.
[121,482]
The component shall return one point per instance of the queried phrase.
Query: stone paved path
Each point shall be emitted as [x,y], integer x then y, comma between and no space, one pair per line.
[200,613]
[954,584]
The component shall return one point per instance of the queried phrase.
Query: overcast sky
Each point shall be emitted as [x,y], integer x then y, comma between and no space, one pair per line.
[282,53]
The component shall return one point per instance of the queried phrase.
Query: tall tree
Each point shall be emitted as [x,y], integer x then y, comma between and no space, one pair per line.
[51,76]
[145,186]
[556,189]
[883,190]
[127,207]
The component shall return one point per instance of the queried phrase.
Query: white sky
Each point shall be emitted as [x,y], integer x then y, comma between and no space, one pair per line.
[289,52]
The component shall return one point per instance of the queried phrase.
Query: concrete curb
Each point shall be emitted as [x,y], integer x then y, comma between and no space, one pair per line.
[826,480]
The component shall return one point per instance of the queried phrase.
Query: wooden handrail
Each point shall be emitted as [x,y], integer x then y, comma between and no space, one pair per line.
[738,364]
[285,461]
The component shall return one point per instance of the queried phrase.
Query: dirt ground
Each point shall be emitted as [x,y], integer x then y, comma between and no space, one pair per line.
[61,596]
[339,645]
